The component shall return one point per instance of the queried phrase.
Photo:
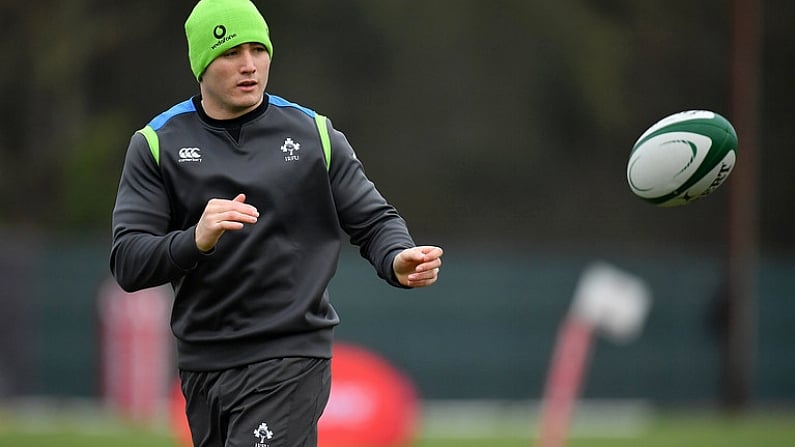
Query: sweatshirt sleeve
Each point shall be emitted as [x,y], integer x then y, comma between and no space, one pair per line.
[144,252]
[371,222]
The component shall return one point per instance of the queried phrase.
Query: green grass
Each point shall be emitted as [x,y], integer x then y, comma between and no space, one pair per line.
[681,430]
[72,439]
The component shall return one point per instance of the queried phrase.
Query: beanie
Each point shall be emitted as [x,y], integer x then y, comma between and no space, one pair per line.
[215,26]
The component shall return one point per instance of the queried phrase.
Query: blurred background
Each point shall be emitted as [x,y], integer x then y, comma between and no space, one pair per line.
[500,130]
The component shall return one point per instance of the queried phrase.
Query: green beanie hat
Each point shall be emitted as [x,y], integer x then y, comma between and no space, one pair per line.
[215,26]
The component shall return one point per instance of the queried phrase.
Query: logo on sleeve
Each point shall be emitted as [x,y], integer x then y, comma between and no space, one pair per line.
[290,148]
[190,154]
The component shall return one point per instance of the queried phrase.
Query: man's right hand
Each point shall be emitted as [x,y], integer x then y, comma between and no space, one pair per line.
[222,215]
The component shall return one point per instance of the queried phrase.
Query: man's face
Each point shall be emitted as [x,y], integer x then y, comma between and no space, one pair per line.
[234,82]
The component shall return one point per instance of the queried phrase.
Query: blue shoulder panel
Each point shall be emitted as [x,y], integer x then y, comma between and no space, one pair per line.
[281,102]
[160,120]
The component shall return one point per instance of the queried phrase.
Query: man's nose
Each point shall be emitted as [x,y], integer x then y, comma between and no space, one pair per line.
[247,62]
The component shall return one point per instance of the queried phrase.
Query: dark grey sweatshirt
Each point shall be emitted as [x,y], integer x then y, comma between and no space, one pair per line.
[261,293]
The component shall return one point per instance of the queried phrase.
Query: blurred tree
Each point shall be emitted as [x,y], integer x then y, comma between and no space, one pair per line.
[520,114]
[53,108]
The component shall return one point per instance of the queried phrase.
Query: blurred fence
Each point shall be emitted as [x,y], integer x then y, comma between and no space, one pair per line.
[484,332]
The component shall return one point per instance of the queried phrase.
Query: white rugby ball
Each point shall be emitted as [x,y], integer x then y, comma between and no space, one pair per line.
[682,157]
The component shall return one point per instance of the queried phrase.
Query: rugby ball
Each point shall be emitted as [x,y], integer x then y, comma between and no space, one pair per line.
[682,157]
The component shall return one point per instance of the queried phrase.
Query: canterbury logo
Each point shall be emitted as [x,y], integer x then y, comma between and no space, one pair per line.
[190,154]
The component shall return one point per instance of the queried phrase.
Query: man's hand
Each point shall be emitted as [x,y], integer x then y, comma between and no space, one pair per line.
[222,215]
[418,266]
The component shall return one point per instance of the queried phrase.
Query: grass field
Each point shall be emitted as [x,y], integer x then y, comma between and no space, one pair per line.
[680,429]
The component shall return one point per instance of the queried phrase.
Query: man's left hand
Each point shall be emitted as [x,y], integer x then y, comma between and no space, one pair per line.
[418,266]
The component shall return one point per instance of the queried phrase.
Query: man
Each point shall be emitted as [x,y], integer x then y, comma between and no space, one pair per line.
[237,197]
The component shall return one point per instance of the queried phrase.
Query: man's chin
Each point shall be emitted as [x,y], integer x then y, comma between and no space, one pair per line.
[249,102]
